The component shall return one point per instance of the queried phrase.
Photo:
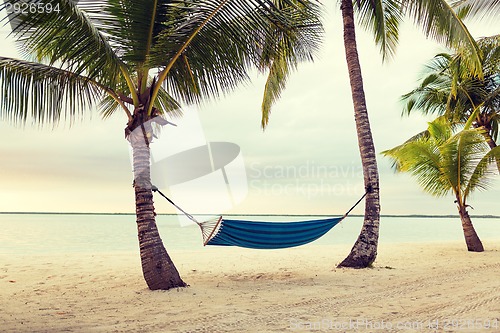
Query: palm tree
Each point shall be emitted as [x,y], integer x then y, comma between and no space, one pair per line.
[382,17]
[444,163]
[438,20]
[450,89]
[145,58]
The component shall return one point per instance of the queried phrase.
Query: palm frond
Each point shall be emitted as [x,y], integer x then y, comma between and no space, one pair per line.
[108,106]
[443,162]
[461,153]
[440,130]
[421,159]
[382,17]
[276,82]
[283,50]
[492,100]
[222,40]
[440,21]
[211,64]
[167,105]
[450,89]
[207,35]
[490,46]
[424,135]
[164,103]
[420,156]
[41,93]
[432,94]
[133,27]
[428,100]
[480,8]
[495,121]
[66,37]
[481,176]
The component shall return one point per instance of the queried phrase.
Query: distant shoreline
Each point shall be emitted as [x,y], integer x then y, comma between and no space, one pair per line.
[291,215]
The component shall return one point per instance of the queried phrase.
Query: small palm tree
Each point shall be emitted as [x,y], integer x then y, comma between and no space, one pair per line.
[445,163]
[144,58]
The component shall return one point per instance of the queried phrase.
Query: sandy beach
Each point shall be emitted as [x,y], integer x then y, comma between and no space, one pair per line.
[413,287]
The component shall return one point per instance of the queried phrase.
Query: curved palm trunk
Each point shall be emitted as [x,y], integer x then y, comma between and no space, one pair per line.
[364,251]
[490,142]
[492,145]
[471,238]
[158,269]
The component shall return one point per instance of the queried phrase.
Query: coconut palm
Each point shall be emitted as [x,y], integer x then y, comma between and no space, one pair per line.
[445,163]
[449,88]
[144,58]
[438,20]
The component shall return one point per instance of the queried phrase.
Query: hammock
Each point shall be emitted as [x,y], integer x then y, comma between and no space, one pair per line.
[262,235]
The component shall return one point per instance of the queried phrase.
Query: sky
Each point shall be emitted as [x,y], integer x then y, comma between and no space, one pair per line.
[305,162]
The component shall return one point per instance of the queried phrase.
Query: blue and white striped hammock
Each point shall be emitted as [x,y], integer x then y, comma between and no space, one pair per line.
[265,235]
[262,235]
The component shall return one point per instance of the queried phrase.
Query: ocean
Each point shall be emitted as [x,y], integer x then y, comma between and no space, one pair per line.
[26,234]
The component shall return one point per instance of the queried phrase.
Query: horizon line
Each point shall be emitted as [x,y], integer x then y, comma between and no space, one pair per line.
[243,214]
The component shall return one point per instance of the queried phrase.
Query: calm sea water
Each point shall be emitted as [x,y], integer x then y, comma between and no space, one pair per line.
[47,233]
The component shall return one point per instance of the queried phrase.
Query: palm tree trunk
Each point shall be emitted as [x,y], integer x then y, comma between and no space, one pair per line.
[471,238]
[489,139]
[364,251]
[157,267]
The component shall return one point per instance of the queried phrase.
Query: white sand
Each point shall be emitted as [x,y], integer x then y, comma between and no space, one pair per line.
[424,286]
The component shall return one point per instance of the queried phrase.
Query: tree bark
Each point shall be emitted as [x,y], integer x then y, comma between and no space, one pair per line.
[158,269]
[471,238]
[364,251]
[490,142]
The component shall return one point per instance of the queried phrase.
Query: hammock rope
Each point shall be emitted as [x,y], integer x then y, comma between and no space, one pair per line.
[207,228]
[262,235]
